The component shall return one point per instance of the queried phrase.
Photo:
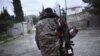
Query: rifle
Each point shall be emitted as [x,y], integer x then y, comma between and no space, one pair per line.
[65,39]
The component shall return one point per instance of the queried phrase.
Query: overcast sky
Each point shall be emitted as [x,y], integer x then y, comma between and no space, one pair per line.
[34,6]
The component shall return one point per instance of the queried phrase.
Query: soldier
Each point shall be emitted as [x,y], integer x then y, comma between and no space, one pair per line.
[46,38]
[46,33]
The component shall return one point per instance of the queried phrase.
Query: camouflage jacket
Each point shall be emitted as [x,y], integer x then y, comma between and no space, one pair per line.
[46,38]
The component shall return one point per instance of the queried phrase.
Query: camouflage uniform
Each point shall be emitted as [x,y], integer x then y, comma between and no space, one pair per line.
[46,38]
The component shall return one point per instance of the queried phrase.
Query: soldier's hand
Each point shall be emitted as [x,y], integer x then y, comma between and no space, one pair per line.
[58,34]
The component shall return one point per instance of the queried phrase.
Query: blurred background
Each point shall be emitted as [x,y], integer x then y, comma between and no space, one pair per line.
[19,17]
